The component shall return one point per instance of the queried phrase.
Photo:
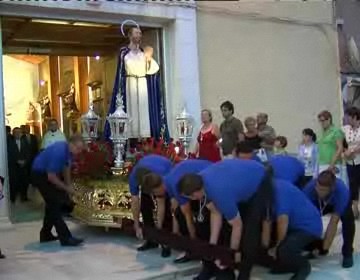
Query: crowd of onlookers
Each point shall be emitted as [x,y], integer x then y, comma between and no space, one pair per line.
[22,148]
[336,148]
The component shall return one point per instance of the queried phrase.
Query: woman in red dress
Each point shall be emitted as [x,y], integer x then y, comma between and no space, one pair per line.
[208,140]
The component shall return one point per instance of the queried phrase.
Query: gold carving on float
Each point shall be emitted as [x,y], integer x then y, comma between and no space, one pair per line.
[102,202]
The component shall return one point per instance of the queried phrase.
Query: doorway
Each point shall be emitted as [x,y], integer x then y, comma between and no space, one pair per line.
[52,69]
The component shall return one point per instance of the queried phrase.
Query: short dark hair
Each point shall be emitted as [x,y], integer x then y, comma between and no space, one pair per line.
[311,133]
[283,141]
[190,183]
[353,112]
[150,182]
[244,147]
[228,105]
[326,178]
[140,173]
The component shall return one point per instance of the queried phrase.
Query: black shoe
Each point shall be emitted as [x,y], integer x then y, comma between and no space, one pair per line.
[1,255]
[303,273]
[207,272]
[148,245]
[348,262]
[184,259]
[48,237]
[165,252]
[72,242]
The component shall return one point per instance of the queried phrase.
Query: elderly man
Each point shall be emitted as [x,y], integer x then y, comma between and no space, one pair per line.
[265,131]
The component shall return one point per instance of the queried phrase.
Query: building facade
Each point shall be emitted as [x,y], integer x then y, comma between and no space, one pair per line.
[278,57]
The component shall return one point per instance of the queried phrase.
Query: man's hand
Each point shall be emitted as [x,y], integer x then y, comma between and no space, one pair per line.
[138,232]
[273,251]
[237,257]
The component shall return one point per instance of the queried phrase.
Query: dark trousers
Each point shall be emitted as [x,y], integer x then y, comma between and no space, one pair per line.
[253,213]
[289,253]
[348,228]
[354,180]
[202,228]
[19,182]
[147,208]
[55,200]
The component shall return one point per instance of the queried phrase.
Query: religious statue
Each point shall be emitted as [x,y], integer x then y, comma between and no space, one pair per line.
[138,82]
[45,108]
[69,100]
[32,113]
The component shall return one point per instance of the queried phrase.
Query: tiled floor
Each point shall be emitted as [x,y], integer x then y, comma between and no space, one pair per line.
[110,256]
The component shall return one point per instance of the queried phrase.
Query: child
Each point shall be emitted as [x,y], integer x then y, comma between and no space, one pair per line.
[307,154]
[280,145]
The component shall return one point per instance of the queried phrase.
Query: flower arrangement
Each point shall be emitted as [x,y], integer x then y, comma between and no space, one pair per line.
[173,150]
[96,161]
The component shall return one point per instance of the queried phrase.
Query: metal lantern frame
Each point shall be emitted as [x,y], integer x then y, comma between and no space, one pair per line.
[89,125]
[119,123]
[185,128]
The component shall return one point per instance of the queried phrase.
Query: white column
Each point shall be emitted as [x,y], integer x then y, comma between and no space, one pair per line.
[182,68]
[4,210]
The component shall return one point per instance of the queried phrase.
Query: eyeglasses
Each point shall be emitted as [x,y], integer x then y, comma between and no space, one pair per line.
[323,120]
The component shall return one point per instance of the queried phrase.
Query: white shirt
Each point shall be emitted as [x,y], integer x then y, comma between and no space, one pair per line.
[352,137]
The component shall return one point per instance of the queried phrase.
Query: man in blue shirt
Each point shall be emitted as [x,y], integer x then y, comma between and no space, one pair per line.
[287,168]
[51,175]
[181,208]
[147,166]
[244,150]
[298,224]
[331,195]
[241,191]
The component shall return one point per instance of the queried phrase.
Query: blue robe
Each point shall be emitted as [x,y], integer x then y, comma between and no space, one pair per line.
[157,110]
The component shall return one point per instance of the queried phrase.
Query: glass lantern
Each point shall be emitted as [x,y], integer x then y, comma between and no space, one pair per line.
[119,121]
[185,127]
[89,125]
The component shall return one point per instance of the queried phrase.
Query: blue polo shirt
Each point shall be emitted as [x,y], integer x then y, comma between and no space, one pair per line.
[302,214]
[157,164]
[338,199]
[287,168]
[172,179]
[231,181]
[53,159]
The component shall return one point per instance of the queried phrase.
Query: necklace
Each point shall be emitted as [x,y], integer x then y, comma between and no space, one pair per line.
[202,203]
[322,205]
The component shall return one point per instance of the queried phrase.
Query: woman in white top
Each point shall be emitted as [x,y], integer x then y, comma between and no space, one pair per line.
[352,155]
[308,154]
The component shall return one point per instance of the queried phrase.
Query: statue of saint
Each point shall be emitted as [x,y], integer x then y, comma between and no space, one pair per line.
[138,82]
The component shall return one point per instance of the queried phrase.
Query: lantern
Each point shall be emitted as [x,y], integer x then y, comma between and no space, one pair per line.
[89,125]
[118,122]
[185,127]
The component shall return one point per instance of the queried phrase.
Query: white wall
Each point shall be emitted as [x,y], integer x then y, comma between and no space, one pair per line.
[21,83]
[280,59]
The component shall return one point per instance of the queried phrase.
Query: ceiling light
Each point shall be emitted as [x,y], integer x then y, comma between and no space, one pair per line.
[89,24]
[50,21]
[97,57]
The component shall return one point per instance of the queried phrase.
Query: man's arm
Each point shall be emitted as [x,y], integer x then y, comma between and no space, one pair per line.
[160,213]
[135,209]
[215,223]
[266,233]
[67,175]
[187,212]
[330,231]
[55,180]
[236,225]
[281,228]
